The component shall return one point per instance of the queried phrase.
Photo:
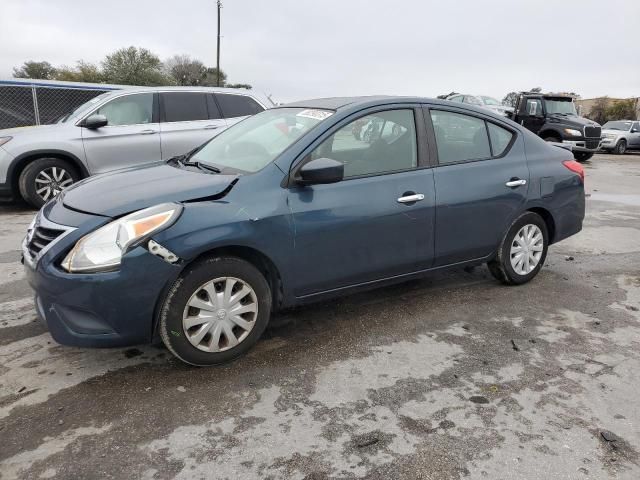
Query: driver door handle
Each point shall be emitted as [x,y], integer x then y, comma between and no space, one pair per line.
[211,127]
[416,197]
[516,182]
[147,132]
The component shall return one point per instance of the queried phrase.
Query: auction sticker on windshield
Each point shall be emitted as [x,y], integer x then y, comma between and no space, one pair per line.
[315,114]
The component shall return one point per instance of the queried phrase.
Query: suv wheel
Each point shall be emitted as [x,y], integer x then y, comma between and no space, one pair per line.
[215,311]
[621,147]
[522,252]
[45,178]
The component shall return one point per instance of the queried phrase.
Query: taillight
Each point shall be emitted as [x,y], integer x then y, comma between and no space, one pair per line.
[575,167]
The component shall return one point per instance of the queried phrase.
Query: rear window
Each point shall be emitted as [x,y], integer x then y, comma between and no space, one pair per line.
[185,106]
[237,105]
[500,138]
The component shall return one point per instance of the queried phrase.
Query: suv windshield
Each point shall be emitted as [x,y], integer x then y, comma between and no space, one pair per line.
[624,126]
[252,144]
[560,106]
[83,108]
[490,101]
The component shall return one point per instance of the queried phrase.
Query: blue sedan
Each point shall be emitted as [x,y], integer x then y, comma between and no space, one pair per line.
[295,204]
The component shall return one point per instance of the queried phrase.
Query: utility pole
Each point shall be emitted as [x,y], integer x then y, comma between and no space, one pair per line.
[218,61]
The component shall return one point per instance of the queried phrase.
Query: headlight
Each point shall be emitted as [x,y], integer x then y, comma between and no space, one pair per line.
[103,249]
[573,133]
[4,140]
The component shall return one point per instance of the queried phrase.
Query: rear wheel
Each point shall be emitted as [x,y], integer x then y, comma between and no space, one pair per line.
[522,251]
[621,147]
[582,156]
[216,311]
[45,178]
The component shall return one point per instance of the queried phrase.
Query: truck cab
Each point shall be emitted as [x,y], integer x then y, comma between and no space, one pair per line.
[554,118]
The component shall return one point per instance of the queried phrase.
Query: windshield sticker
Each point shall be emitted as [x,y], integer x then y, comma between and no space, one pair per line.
[315,114]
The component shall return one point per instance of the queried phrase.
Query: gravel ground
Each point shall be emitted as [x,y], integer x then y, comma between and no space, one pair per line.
[454,376]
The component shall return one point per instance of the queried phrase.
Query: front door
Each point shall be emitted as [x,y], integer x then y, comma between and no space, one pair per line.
[634,135]
[481,184]
[532,115]
[132,136]
[377,222]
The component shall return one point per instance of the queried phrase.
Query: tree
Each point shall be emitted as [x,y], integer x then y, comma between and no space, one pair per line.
[510,99]
[82,72]
[622,110]
[185,70]
[239,85]
[211,78]
[598,112]
[35,70]
[134,66]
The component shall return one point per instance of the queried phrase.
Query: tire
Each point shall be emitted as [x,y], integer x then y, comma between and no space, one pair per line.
[552,139]
[582,156]
[502,267]
[621,147]
[34,187]
[181,335]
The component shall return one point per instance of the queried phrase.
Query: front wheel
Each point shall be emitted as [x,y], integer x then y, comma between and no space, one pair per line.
[45,178]
[582,156]
[522,251]
[621,147]
[216,311]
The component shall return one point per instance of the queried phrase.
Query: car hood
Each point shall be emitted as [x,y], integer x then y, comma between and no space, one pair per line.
[31,130]
[117,193]
[573,120]
[613,132]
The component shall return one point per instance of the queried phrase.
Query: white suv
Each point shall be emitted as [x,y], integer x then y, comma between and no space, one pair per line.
[115,130]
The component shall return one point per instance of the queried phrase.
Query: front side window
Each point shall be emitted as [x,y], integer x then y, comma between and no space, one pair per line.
[378,143]
[133,109]
[534,107]
[185,106]
[459,137]
[237,105]
[250,145]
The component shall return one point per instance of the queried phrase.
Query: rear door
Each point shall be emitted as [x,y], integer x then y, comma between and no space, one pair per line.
[481,182]
[131,137]
[378,221]
[188,119]
[236,107]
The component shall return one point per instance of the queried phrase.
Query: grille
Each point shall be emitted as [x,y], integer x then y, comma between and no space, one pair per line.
[592,132]
[41,238]
[592,143]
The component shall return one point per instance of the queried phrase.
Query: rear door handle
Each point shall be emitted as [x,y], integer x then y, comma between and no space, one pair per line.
[416,197]
[211,127]
[148,132]
[516,182]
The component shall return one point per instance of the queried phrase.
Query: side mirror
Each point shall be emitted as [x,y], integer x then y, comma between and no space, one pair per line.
[95,121]
[635,130]
[319,171]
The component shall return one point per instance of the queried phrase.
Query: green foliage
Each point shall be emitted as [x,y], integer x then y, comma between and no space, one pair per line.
[134,66]
[622,110]
[35,70]
[131,66]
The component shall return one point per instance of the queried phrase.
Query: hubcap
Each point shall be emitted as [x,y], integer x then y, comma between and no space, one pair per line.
[526,249]
[51,181]
[220,314]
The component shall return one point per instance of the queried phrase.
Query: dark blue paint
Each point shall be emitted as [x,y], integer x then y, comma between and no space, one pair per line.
[322,239]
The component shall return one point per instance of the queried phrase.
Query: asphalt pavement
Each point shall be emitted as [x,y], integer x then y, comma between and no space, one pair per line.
[454,376]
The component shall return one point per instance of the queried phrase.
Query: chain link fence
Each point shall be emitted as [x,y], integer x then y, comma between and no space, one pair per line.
[40,105]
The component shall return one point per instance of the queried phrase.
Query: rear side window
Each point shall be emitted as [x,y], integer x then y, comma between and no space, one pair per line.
[459,137]
[500,138]
[185,106]
[237,105]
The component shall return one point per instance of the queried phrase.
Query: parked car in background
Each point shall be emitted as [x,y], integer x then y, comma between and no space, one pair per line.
[554,118]
[288,207]
[114,130]
[621,135]
[483,101]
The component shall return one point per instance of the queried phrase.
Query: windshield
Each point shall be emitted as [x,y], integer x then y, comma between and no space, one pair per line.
[252,144]
[490,101]
[83,108]
[560,106]
[472,100]
[624,126]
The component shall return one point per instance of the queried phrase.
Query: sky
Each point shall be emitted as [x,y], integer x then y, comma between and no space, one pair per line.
[315,48]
